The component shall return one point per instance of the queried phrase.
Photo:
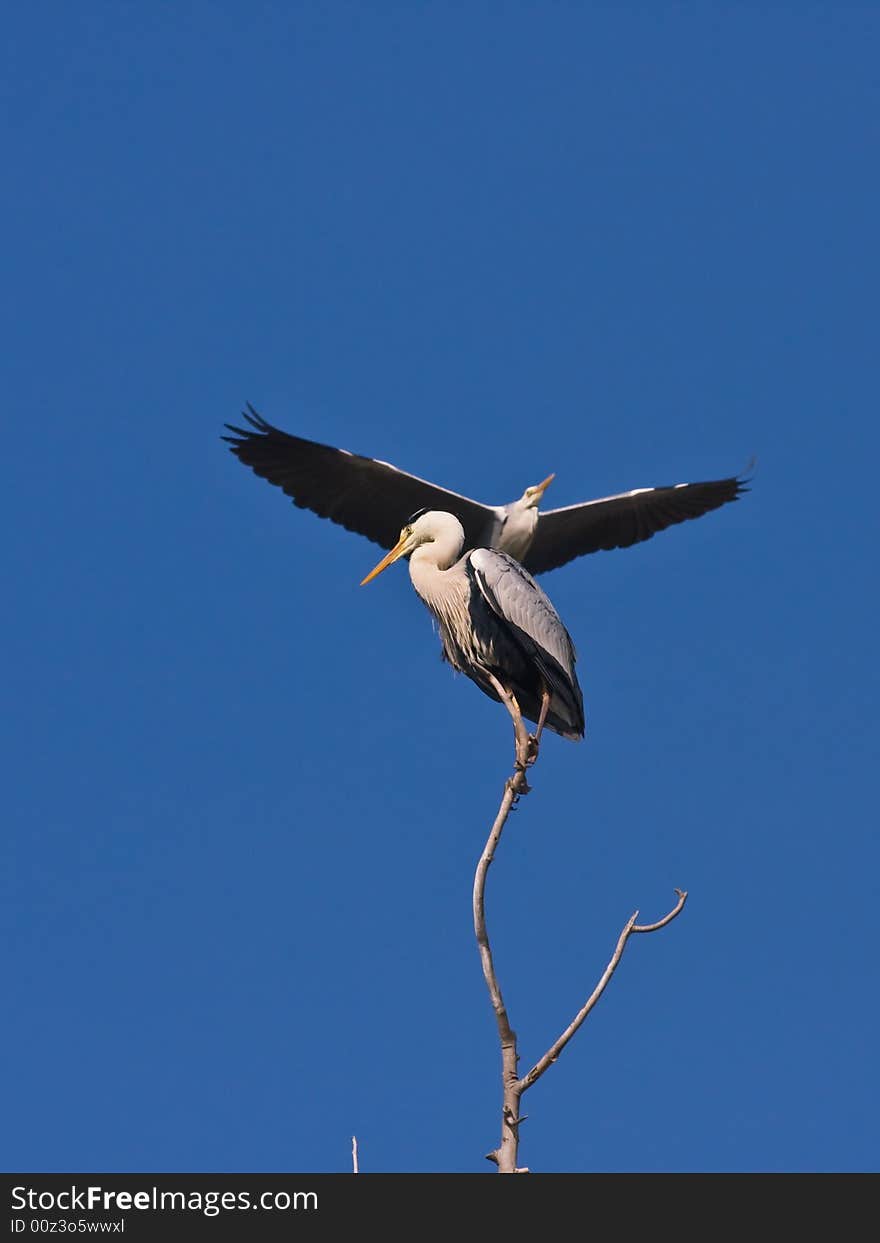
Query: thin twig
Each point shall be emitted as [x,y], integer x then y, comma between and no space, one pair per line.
[354,1155]
[630,927]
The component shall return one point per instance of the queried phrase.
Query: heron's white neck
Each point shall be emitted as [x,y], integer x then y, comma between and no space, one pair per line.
[444,549]
[441,549]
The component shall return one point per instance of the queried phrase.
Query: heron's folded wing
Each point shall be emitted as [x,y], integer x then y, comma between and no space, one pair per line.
[619,521]
[516,598]
[364,495]
[521,605]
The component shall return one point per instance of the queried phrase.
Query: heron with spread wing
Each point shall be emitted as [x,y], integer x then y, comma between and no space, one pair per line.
[371,497]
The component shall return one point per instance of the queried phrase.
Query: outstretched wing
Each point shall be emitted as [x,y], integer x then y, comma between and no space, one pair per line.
[619,521]
[362,494]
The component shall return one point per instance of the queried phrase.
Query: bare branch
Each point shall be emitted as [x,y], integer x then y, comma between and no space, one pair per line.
[526,748]
[479,905]
[354,1154]
[629,928]
[526,754]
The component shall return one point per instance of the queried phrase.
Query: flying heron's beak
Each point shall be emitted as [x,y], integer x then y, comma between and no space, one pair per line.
[542,487]
[387,560]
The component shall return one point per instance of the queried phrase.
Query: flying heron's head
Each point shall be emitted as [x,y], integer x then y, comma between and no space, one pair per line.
[531,498]
[426,526]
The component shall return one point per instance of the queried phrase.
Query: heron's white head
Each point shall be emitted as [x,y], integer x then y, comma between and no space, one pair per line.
[531,498]
[427,526]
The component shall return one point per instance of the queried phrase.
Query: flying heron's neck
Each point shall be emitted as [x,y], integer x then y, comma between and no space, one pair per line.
[518,530]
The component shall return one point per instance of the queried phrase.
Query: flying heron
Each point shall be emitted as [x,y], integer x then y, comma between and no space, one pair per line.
[370,497]
[496,624]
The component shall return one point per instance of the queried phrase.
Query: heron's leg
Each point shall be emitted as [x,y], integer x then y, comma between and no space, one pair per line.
[545,708]
[534,740]
[508,698]
[519,726]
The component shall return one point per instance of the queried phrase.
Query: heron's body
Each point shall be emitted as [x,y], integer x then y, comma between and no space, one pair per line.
[495,622]
[373,497]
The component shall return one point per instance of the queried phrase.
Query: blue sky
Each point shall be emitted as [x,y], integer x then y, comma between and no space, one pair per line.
[632,244]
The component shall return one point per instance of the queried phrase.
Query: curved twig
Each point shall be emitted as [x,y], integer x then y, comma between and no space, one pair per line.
[667,919]
[629,928]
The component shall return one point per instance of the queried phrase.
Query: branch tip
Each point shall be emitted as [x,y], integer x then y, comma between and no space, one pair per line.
[667,919]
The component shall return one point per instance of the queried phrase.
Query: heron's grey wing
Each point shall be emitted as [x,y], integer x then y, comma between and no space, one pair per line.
[369,497]
[516,598]
[518,601]
[619,521]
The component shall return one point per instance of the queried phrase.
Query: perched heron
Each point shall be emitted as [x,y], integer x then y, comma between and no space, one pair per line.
[370,497]
[496,623]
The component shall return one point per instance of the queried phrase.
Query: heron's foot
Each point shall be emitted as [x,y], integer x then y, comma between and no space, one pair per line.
[532,748]
[517,783]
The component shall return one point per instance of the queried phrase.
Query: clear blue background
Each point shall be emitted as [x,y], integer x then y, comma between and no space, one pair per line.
[632,244]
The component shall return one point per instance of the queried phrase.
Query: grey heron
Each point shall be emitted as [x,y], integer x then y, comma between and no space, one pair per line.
[496,624]
[371,497]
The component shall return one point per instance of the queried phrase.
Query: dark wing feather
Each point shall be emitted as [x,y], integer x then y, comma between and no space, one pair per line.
[363,495]
[619,521]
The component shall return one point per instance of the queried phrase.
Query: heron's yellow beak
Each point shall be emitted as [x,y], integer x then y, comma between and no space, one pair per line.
[387,560]
[542,487]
